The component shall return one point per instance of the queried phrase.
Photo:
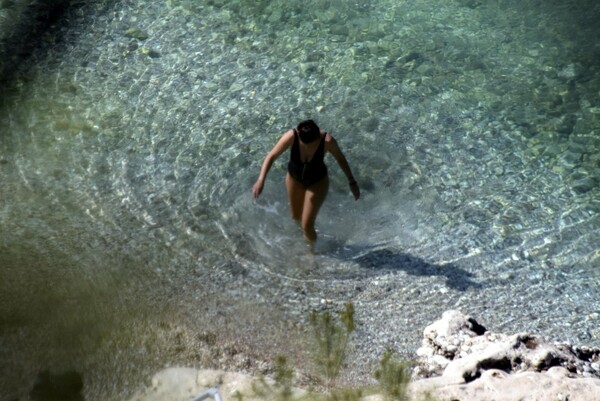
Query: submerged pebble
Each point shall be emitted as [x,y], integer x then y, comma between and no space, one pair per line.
[136,33]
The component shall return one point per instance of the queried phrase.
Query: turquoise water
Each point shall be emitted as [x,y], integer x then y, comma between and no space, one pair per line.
[132,135]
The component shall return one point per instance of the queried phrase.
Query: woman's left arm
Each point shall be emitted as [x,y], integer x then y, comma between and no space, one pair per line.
[333,148]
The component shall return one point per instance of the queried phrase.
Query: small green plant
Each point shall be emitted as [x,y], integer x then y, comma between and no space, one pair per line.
[393,376]
[281,389]
[331,339]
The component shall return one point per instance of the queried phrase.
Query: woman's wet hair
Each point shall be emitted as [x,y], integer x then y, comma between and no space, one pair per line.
[308,131]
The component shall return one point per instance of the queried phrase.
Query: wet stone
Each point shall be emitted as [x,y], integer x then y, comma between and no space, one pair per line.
[275,17]
[339,29]
[584,185]
[571,159]
[370,124]
[136,33]
[149,52]
[309,68]
[132,46]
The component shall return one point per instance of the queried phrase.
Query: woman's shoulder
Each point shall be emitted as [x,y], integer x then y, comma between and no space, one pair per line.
[329,138]
[289,134]
[286,140]
[331,145]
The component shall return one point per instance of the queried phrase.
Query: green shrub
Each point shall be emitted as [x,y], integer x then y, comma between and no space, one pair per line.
[281,389]
[393,377]
[331,338]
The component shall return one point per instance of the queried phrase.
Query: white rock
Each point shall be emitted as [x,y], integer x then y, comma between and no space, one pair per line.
[440,361]
[501,367]
[425,352]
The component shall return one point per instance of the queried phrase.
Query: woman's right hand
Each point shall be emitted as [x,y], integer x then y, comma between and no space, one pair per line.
[258,187]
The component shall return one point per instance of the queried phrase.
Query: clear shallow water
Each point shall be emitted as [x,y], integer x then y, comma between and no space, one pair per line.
[126,168]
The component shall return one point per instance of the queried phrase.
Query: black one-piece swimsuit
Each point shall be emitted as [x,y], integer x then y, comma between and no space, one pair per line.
[311,172]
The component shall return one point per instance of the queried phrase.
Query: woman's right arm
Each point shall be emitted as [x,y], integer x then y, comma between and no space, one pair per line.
[281,146]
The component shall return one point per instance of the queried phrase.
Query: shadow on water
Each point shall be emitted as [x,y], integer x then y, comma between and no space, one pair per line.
[31,29]
[391,260]
[25,31]
[456,278]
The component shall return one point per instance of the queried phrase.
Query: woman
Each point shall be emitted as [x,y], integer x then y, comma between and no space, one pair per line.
[306,180]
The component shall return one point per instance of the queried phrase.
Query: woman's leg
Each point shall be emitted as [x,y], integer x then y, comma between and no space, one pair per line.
[295,192]
[313,199]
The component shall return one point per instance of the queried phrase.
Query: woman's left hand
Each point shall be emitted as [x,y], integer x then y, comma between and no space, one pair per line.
[257,188]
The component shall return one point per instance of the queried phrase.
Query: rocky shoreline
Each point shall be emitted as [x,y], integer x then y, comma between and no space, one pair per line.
[459,361]
[464,361]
